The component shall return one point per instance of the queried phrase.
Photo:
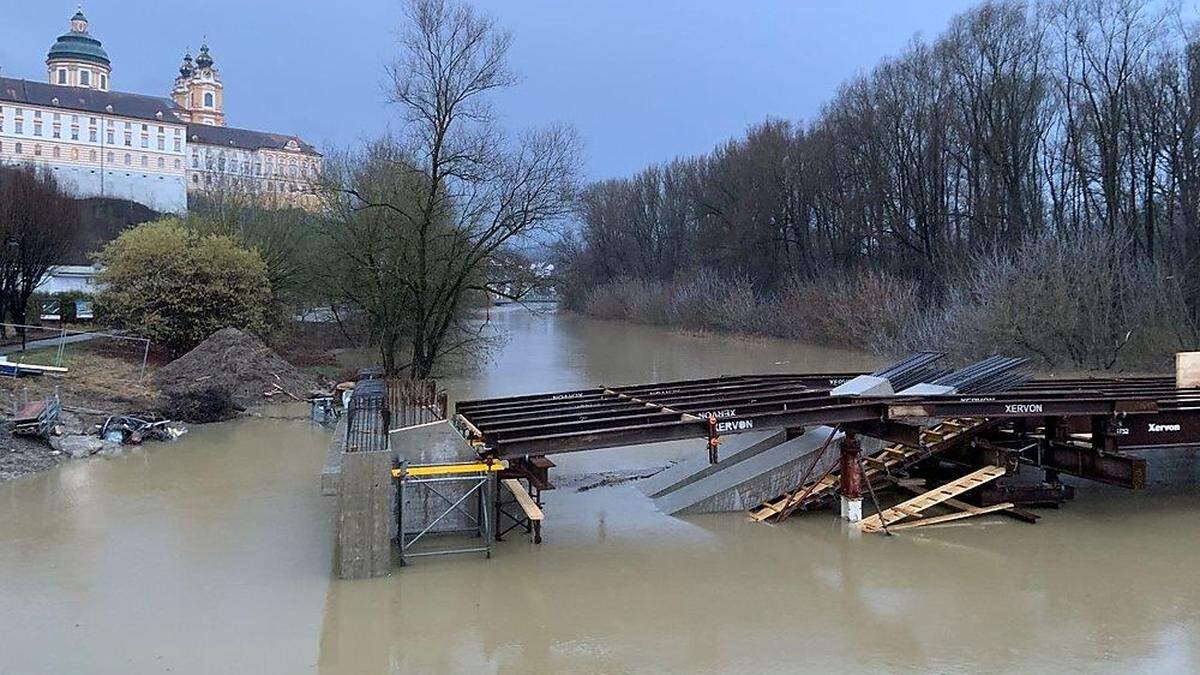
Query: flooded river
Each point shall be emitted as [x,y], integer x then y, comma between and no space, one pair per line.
[213,555]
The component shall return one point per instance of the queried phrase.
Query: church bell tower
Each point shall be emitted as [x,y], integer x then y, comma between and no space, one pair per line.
[198,90]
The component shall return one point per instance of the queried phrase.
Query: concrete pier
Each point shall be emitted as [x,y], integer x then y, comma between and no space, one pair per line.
[851,509]
[366,515]
[736,449]
[764,469]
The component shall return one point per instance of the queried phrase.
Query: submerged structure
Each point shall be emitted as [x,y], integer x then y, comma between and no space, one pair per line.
[985,438]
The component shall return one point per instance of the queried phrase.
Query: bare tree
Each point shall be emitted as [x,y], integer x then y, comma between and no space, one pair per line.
[1025,124]
[452,191]
[39,225]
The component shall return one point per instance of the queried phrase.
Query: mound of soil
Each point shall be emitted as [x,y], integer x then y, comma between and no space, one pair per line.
[229,371]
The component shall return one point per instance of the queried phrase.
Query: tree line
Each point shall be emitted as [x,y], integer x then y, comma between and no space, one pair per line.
[1021,127]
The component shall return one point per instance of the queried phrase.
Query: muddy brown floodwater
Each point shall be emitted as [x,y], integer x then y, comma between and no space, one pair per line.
[213,555]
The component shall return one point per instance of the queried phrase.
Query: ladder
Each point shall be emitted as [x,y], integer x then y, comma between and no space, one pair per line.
[913,507]
[892,458]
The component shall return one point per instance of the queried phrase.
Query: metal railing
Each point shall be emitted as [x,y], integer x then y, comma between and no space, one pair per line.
[368,418]
[29,338]
[414,402]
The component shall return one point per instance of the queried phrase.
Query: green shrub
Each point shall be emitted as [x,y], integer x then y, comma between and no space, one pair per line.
[177,287]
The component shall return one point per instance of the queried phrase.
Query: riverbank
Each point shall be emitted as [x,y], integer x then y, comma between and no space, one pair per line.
[97,384]
[1001,310]
[229,374]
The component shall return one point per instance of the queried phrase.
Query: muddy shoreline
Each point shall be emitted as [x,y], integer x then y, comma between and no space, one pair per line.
[229,375]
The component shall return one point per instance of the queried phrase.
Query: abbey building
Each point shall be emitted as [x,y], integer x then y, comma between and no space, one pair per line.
[150,149]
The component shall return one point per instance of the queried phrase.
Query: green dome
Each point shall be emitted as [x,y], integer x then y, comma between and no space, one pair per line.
[78,44]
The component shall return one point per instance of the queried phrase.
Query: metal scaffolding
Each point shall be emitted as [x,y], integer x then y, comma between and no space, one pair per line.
[477,482]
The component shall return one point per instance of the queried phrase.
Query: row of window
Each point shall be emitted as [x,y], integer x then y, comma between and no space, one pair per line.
[242,183]
[56,130]
[83,78]
[93,155]
[241,164]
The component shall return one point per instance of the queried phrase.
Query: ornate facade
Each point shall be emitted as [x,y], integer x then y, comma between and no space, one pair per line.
[149,149]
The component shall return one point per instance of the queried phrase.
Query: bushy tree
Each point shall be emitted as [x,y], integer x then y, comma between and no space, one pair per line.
[176,286]
[286,238]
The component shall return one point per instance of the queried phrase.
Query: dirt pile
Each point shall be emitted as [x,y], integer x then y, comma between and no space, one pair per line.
[228,372]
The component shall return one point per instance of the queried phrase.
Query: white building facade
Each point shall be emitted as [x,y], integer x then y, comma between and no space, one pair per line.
[148,149]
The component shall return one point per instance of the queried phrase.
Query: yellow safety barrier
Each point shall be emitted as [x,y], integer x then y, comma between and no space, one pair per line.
[448,469]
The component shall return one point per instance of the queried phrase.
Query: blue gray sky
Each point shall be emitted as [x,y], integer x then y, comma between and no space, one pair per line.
[642,81]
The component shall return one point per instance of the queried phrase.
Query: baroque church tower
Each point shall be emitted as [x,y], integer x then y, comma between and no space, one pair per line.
[198,90]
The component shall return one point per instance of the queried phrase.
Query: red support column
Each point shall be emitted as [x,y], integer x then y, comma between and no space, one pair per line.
[714,441]
[851,479]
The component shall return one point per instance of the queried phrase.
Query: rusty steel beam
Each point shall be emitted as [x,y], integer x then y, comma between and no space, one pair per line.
[885,430]
[720,408]
[572,441]
[1031,406]
[1125,412]
[1085,462]
[1178,428]
[597,394]
[619,402]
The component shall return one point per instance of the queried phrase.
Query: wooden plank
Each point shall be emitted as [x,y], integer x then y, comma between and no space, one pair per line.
[1014,511]
[415,426]
[773,508]
[32,367]
[949,517]
[1187,370]
[530,507]
[931,498]
[879,464]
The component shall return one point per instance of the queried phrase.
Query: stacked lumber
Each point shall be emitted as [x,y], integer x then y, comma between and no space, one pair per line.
[881,464]
[892,518]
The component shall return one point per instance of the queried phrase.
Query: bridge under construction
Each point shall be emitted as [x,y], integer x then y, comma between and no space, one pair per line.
[972,435]
[964,442]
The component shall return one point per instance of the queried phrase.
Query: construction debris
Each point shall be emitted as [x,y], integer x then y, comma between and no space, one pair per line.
[892,458]
[36,418]
[130,430]
[914,507]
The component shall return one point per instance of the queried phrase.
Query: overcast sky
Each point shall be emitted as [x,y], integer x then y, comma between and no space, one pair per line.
[642,80]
